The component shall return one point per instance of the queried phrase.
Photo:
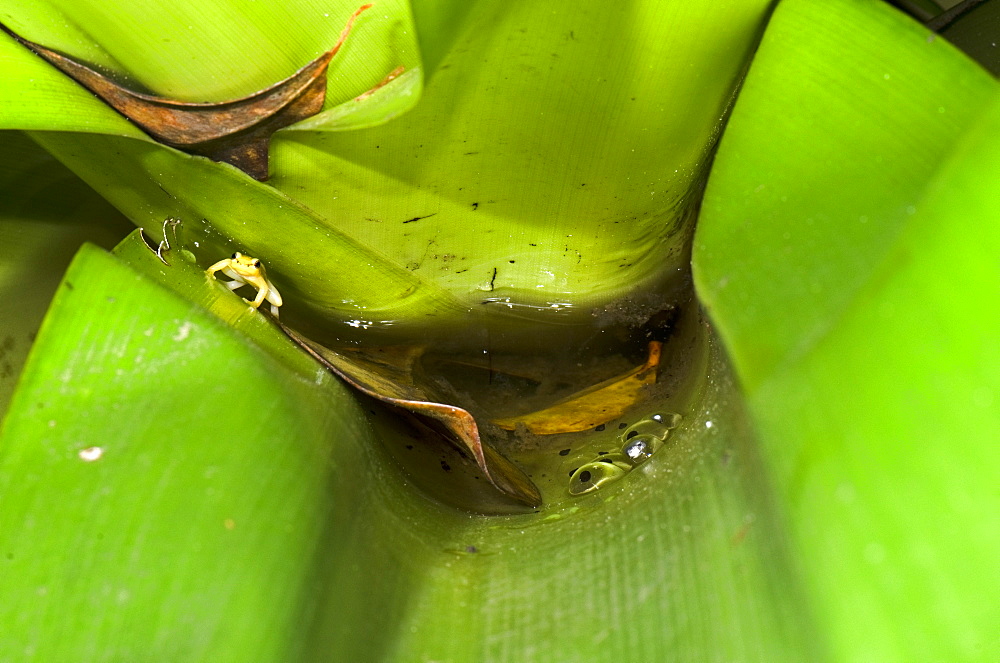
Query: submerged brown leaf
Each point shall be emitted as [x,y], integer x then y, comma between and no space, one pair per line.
[595,406]
[237,132]
[387,375]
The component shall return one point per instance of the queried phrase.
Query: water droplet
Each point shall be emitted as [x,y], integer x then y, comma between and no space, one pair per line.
[669,420]
[640,448]
[657,425]
[90,454]
[595,475]
[643,438]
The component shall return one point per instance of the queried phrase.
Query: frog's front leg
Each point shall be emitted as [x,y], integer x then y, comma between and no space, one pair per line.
[218,267]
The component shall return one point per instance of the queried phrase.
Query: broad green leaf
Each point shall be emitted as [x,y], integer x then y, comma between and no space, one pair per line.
[225,500]
[199,51]
[874,128]
[686,558]
[551,164]
[847,253]
[227,492]
[551,168]
[223,211]
[331,264]
[46,213]
[235,131]
[35,96]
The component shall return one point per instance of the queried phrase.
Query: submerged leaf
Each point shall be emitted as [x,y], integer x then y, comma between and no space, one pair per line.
[237,132]
[594,406]
[386,374]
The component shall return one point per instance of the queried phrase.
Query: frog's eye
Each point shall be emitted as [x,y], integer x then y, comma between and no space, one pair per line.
[236,256]
[256,263]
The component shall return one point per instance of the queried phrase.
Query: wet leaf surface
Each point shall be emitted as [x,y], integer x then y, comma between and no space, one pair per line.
[478,151]
[387,374]
[237,132]
[851,272]
[594,406]
[243,500]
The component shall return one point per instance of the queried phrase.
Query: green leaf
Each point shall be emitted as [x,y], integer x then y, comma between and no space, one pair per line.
[217,482]
[36,95]
[861,330]
[859,168]
[239,508]
[224,211]
[376,225]
[531,99]
[46,213]
[198,51]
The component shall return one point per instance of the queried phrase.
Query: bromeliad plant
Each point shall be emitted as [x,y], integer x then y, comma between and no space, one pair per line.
[225,498]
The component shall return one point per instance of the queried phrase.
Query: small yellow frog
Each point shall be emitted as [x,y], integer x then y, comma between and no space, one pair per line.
[245,270]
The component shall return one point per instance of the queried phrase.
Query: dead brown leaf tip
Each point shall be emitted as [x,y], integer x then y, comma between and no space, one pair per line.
[237,132]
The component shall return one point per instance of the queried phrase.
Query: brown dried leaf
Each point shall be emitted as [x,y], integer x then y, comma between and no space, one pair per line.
[392,75]
[237,132]
[594,406]
[387,375]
